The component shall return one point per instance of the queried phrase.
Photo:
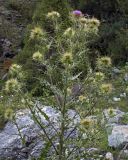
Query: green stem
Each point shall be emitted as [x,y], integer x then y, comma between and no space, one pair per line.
[63,111]
[20,134]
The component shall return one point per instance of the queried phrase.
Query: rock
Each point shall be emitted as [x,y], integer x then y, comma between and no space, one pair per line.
[116,99]
[116,70]
[124,154]
[126,77]
[119,136]
[113,115]
[123,95]
[11,144]
[109,156]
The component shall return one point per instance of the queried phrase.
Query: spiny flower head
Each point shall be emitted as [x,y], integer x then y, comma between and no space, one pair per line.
[77,13]
[99,76]
[12,85]
[36,32]
[15,69]
[53,15]
[106,88]
[82,98]
[69,32]
[37,56]
[94,22]
[87,122]
[104,62]
[83,20]
[67,58]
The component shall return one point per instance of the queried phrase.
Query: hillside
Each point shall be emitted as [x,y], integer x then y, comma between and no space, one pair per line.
[15,15]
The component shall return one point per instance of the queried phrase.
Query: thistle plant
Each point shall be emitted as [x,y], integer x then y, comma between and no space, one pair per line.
[69,83]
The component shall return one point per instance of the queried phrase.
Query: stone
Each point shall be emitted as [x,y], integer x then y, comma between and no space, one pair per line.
[116,99]
[109,156]
[113,117]
[116,70]
[119,136]
[123,95]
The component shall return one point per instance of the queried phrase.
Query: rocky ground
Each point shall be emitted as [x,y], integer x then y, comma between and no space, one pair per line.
[12,23]
[15,15]
[12,146]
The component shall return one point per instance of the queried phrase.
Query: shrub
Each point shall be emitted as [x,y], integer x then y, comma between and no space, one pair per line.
[71,49]
[77,87]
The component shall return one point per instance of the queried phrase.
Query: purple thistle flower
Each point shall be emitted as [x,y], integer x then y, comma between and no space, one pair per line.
[77,13]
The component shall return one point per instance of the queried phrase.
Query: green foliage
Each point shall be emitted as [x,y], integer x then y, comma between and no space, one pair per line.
[121,41]
[45,6]
[113,30]
[124,119]
[2,118]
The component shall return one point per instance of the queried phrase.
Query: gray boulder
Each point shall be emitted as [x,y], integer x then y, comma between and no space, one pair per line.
[109,156]
[113,115]
[119,136]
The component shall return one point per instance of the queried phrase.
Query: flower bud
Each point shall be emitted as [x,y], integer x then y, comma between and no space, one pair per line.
[106,88]
[53,15]
[104,62]
[12,85]
[36,33]
[99,76]
[69,32]
[77,13]
[67,58]
[15,70]
[37,56]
